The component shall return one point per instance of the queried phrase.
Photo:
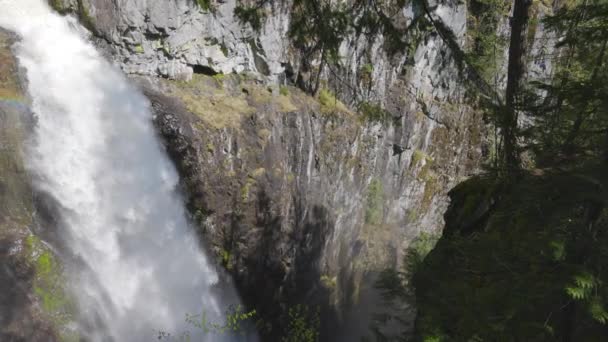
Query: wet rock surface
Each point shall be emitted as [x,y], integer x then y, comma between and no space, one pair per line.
[21,318]
[301,202]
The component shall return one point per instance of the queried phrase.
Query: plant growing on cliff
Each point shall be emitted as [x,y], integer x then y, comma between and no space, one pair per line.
[57,5]
[373,112]
[397,291]
[204,4]
[252,15]
[374,203]
[236,321]
[303,325]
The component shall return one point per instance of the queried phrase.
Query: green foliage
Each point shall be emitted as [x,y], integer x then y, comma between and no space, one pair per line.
[329,282]
[365,73]
[303,325]
[485,46]
[234,319]
[219,78]
[283,90]
[571,109]
[367,69]
[528,268]
[204,4]
[522,258]
[226,258]
[236,322]
[375,202]
[373,112]
[597,310]
[330,104]
[395,284]
[396,288]
[417,157]
[253,15]
[418,251]
[326,98]
[57,5]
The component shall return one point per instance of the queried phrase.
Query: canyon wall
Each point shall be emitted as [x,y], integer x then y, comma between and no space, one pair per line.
[302,199]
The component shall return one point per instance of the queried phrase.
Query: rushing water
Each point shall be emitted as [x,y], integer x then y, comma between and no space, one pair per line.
[97,155]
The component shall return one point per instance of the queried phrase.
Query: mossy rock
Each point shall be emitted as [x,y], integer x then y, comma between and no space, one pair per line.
[49,287]
[471,200]
[223,101]
[509,278]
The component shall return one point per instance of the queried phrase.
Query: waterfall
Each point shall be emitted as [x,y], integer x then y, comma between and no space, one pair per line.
[96,153]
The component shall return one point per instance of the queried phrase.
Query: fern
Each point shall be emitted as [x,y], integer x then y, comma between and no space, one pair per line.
[583,286]
[597,310]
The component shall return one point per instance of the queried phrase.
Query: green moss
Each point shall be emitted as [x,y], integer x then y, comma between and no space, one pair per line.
[291,177]
[213,104]
[210,147]
[139,49]
[375,202]
[365,73]
[57,5]
[367,68]
[85,16]
[469,195]
[246,189]
[283,90]
[220,77]
[412,215]
[226,258]
[326,98]
[329,282]
[426,172]
[49,287]
[330,104]
[418,156]
[204,4]
[258,172]
[431,187]
[373,112]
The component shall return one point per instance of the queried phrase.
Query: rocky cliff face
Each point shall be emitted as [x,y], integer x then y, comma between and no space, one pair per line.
[16,308]
[303,199]
[177,38]
[33,304]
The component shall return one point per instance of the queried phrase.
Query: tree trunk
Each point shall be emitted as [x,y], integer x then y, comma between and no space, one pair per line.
[515,72]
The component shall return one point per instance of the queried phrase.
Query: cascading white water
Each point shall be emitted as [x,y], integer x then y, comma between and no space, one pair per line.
[97,155]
